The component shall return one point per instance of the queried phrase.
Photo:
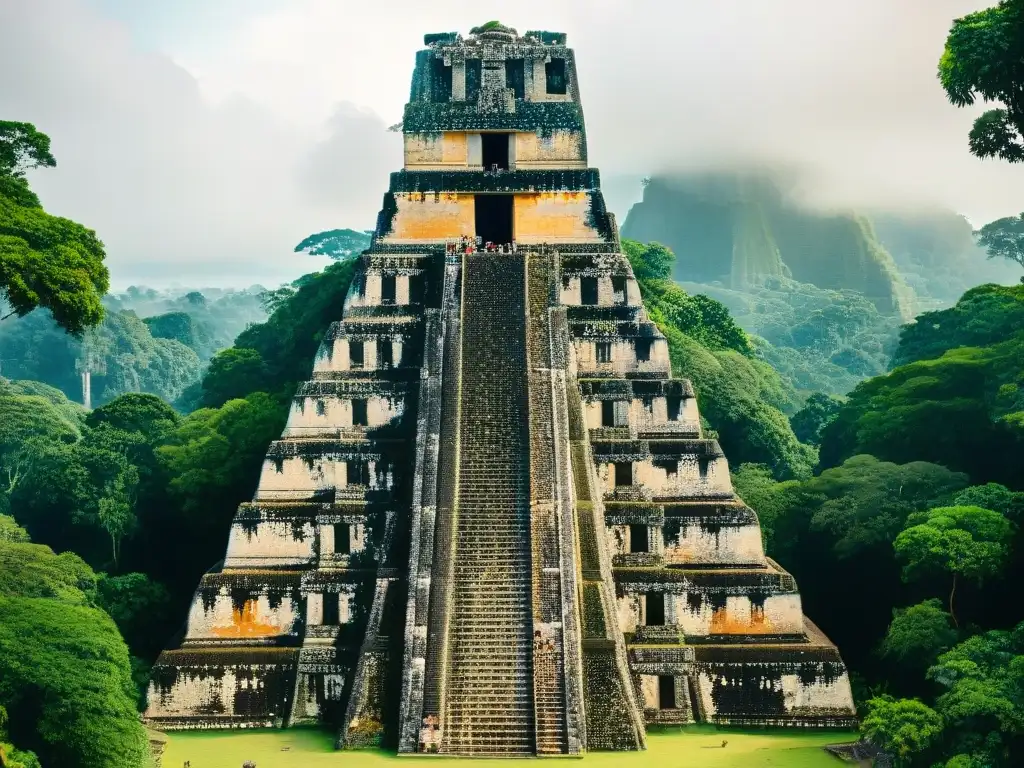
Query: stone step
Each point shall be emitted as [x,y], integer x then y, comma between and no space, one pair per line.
[490,681]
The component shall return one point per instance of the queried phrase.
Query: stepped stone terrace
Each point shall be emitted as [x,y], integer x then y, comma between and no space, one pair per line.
[493,525]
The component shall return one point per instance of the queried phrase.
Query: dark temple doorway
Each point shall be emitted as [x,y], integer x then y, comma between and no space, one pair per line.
[494,148]
[666,692]
[494,218]
[655,609]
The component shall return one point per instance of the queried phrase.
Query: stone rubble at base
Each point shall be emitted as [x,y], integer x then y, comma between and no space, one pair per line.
[492,525]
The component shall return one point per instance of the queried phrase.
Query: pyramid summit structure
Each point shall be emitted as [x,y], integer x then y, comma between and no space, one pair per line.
[493,525]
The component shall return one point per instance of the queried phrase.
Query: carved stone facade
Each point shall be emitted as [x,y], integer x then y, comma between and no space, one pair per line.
[492,525]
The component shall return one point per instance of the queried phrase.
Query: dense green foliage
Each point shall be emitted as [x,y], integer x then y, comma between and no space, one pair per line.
[741,397]
[28,423]
[162,354]
[143,494]
[337,244]
[275,356]
[818,340]
[982,696]
[135,490]
[917,635]
[903,728]
[850,536]
[817,413]
[961,541]
[984,60]
[879,546]
[206,321]
[22,148]
[65,677]
[961,406]
[120,354]
[45,261]
[983,316]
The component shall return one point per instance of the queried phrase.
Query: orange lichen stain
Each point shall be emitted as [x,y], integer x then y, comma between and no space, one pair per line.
[454,149]
[433,149]
[246,623]
[553,214]
[724,624]
[424,217]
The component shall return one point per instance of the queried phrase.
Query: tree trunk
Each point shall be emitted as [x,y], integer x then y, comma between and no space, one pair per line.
[952,594]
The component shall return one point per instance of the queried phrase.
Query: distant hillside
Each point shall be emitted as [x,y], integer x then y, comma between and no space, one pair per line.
[737,229]
[937,255]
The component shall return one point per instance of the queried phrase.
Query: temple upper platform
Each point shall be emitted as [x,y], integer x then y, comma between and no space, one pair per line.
[497,80]
[494,146]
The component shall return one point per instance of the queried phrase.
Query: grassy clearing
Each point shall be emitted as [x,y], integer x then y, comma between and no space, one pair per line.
[690,747]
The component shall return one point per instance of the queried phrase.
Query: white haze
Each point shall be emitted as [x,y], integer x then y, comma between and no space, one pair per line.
[207,162]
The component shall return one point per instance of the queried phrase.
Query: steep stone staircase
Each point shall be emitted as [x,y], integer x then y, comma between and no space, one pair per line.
[489,696]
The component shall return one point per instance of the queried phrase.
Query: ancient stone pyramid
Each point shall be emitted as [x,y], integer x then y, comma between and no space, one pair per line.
[492,525]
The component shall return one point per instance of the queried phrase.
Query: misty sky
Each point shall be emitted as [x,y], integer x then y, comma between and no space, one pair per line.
[202,139]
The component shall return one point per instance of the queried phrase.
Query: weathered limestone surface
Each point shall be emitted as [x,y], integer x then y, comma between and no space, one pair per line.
[493,525]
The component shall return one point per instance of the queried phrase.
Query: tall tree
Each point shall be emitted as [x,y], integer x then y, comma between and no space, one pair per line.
[22,148]
[918,635]
[26,423]
[115,509]
[336,244]
[1004,238]
[964,542]
[45,261]
[817,412]
[984,59]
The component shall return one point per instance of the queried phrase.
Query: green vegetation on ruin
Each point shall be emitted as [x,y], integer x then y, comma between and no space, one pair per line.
[667,748]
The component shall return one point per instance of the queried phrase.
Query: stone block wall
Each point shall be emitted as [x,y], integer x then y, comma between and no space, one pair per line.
[731,537]
[398,337]
[268,536]
[317,415]
[221,688]
[230,613]
[426,218]
[786,685]
[557,149]
[606,355]
[609,290]
[554,218]
[437,150]
[274,633]
[530,150]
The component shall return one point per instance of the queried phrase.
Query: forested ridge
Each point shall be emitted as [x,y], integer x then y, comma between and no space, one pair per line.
[138,498]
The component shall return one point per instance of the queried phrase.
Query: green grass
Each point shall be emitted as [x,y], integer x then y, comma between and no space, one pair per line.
[690,747]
